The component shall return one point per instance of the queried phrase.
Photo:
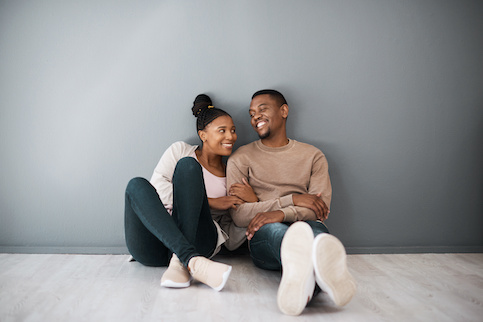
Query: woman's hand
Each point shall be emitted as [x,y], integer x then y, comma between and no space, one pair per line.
[243,191]
[224,203]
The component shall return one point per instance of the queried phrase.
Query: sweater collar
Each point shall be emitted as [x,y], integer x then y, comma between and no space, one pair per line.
[286,147]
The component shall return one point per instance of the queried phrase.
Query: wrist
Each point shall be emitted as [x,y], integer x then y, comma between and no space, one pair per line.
[253,199]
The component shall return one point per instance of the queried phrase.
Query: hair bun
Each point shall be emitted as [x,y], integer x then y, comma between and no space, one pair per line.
[202,102]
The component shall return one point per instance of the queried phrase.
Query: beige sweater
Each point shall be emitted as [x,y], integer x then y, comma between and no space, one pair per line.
[275,174]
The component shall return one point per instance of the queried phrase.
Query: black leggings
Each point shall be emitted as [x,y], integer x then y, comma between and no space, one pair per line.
[152,234]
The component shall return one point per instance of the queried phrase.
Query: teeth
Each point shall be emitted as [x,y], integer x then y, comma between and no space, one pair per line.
[261,124]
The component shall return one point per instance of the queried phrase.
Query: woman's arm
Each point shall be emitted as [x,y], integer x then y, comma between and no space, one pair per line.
[163,173]
[243,191]
[225,203]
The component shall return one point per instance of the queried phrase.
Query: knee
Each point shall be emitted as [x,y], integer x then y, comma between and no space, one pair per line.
[270,231]
[188,164]
[135,184]
[265,254]
[269,236]
[318,227]
[187,167]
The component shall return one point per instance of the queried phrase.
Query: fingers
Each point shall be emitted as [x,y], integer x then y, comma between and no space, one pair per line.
[245,182]
[237,186]
[256,223]
[319,207]
[234,188]
[262,219]
[250,232]
[253,226]
[315,203]
[243,191]
[236,201]
[324,210]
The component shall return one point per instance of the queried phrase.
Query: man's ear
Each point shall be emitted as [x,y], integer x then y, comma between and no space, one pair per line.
[284,110]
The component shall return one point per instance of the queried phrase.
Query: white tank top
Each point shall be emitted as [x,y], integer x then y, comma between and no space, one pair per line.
[215,186]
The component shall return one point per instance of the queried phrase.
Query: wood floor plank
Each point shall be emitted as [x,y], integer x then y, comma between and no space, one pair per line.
[396,287]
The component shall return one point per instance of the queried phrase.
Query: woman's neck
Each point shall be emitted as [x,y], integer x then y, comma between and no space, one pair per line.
[211,162]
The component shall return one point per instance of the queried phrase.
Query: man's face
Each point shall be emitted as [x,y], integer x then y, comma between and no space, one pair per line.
[266,116]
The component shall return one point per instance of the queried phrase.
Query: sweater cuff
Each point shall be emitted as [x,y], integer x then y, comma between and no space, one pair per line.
[286,201]
[289,213]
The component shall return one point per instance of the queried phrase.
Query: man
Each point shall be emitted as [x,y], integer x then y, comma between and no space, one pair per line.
[291,182]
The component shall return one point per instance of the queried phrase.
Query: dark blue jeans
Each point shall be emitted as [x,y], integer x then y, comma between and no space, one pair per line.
[152,234]
[265,244]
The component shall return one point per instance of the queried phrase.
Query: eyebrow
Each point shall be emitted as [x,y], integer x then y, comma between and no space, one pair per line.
[263,104]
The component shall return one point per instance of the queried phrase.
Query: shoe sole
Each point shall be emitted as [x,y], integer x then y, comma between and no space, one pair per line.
[225,279]
[171,284]
[297,269]
[331,272]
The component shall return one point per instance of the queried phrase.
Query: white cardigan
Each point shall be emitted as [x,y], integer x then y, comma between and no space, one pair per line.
[161,179]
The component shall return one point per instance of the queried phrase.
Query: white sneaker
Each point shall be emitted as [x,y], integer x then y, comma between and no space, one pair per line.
[176,275]
[208,272]
[331,272]
[298,282]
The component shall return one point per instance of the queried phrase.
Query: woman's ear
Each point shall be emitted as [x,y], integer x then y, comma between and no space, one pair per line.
[202,135]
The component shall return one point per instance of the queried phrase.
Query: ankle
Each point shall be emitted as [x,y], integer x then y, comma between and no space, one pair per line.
[191,263]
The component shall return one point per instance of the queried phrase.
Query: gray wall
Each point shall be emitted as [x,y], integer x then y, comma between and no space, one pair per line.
[92,93]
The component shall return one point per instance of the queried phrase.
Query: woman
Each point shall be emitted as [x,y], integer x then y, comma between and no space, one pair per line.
[180,217]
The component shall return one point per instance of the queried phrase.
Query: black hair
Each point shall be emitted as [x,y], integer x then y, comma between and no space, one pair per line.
[276,95]
[205,112]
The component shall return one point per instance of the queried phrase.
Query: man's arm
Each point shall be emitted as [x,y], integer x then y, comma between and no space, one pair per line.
[320,181]
[316,202]
[294,207]
[310,206]
[243,214]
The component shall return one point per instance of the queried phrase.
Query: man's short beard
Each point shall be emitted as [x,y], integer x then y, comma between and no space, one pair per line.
[265,135]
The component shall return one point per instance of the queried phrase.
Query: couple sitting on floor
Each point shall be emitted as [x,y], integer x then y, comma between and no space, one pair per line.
[275,192]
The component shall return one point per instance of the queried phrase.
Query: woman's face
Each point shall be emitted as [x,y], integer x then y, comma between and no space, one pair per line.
[219,136]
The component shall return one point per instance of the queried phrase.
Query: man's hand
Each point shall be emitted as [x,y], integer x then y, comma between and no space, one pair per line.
[243,191]
[224,203]
[261,219]
[313,202]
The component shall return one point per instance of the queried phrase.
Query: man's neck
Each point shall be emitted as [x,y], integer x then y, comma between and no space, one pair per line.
[275,142]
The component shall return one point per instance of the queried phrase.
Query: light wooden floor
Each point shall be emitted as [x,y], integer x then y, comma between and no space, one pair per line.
[415,287]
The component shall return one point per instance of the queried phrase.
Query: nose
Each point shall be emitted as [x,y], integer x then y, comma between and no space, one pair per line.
[229,135]
[256,116]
